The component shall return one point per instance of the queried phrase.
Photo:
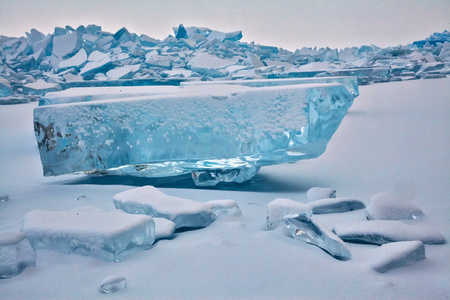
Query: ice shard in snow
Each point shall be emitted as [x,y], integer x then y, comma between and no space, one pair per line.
[216,132]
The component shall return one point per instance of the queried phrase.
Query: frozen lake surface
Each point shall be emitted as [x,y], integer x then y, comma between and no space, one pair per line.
[394,139]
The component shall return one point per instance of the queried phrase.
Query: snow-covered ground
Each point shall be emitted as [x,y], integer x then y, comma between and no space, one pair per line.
[395,138]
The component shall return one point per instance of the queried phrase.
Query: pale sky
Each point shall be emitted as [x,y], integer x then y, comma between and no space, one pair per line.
[289,24]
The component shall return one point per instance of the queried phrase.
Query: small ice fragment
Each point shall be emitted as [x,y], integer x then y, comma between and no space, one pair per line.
[281,207]
[224,207]
[112,284]
[16,254]
[335,205]
[399,254]
[304,229]
[4,197]
[148,200]
[317,193]
[386,231]
[81,197]
[387,206]
[164,228]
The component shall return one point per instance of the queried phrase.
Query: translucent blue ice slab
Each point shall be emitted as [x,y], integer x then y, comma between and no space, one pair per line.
[217,132]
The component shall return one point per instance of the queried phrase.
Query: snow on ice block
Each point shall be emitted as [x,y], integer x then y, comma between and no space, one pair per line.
[335,205]
[16,254]
[386,231]
[387,206]
[303,228]
[164,228]
[318,193]
[281,207]
[148,200]
[349,82]
[166,135]
[399,254]
[40,87]
[107,235]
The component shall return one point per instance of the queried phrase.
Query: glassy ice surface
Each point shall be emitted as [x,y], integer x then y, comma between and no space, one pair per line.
[335,205]
[148,200]
[280,207]
[16,254]
[111,236]
[386,231]
[224,207]
[303,228]
[399,254]
[388,206]
[112,284]
[219,129]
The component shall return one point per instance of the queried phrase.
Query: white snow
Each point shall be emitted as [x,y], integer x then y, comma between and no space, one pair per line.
[394,255]
[394,138]
[164,228]
[388,206]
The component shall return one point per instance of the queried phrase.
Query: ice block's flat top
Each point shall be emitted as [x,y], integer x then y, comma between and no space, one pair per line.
[132,93]
[93,223]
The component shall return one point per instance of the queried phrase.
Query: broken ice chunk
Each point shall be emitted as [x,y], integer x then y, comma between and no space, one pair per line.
[399,254]
[4,197]
[387,206]
[317,193]
[97,61]
[5,87]
[224,207]
[303,228]
[112,284]
[110,236]
[335,205]
[40,87]
[281,207]
[164,228]
[386,231]
[148,200]
[16,254]
[75,61]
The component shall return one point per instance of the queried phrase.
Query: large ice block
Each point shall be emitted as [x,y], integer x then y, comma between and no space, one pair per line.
[110,236]
[216,129]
